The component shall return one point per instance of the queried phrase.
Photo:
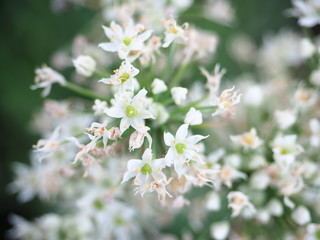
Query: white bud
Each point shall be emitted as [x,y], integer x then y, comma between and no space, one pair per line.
[260,180]
[301,215]
[275,207]
[137,138]
[307,49]
[213,202]
[158,86]
[315,77]
[193,117]
[263,216]
[220,230]
[285,119]
[179,94]
[85,65]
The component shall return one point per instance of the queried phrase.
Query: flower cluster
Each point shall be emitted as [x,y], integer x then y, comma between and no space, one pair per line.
[252,148]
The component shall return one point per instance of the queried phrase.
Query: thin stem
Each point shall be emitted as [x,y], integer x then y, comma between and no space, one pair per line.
[179,75]
[82,91]
[169,64]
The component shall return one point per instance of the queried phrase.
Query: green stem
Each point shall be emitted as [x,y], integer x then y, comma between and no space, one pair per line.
[179,75]
[169,64]
[82,91]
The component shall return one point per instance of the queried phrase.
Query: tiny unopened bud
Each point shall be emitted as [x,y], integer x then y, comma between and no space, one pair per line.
[85,65]
[179,94]
[158,86]
[193,117]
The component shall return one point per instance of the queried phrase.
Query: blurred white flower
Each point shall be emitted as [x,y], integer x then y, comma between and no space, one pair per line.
[314,125]
[179,94]
[275,207]
[45,77]
[226,100]
[213,201]
[238,201]
[307,48]
[306,11]
[99,107]
[158,86]
[193,117]
[285,149]
[174,32]
[85,65]
[248,140]
[220,230]
[285,118]
[301,215]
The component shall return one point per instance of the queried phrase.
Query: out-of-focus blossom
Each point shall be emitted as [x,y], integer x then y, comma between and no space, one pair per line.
[174,32]
[226,100]
[158,86]
[306,11]
[45,77]
[220,230]
[238,201]
[193,117]
[314,125]
[248,140]
[285,118]
[85,65]
[179,94]
[301,215]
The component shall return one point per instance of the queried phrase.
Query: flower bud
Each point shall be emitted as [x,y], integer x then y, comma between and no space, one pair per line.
[158,86]
[301,215]
[193,117]
[220,230]
[179,94]
[85,65]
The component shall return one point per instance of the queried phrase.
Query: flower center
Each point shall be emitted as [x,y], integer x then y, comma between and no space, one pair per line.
[126,41]
[131,111]
[124,77]
[146,169]
[180,147]
[98,204]
[285,151]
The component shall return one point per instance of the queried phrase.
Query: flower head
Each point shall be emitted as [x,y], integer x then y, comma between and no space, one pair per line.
[182,149]
[131,110]
[226,100]
[174,32]
[85,65]
[238,201]
[45,77]
[249,140]
[128,40]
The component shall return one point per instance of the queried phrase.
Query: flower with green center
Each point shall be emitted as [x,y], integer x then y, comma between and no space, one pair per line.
[131,111]
[123,76]
[98,204]
[146,169]
[180,147]
[127,41]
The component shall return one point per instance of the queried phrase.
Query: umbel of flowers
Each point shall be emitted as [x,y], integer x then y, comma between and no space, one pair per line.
[152,125]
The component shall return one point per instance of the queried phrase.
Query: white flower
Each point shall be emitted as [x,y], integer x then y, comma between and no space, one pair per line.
[254,95]
[263,216]
[123,76]
[173,31]
[126,41]
[307,49]
[315,132]
[148,174]
[99,107]
[180,202]
[158,86]
[228,174]
[213,202]
[220,230]
[285,118]
[193,117]
[45,77]
[179,94]
[213,80]
[260,180]
[238,201]
[46,147]
[226,100]
[307,12]
[85,65]
[285,149]
[301,215]
[249,140]
[137,138]
[98,131]
[275,207]
[182,148]
[305,98]
[315,77]
[132,111]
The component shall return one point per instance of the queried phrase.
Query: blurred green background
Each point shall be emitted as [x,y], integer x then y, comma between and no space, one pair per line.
[31,32]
